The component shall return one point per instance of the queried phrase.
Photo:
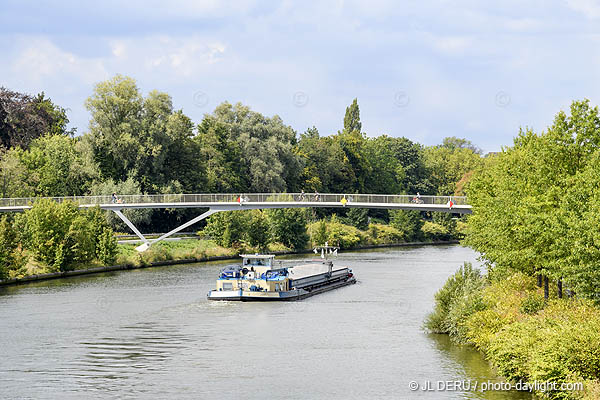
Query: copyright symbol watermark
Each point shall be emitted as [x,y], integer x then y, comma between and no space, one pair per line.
[401,99]
[201,99]
[103,303]
[502,99]
[413,385]
[300,99]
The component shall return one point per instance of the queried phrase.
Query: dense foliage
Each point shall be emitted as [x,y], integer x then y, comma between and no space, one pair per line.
[536,204]
[24,118]
[56,235]
[525,337]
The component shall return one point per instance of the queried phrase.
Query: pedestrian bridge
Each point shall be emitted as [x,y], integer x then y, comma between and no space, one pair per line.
[246,201]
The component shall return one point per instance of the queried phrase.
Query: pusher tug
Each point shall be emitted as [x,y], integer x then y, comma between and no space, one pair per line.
[259,278]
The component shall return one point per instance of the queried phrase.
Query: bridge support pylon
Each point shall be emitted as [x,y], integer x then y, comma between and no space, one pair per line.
[131,226]
[147,243]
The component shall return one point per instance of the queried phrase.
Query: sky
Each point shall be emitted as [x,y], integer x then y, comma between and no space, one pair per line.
[420,69]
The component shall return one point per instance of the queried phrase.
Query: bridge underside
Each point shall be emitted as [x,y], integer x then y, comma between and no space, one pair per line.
[218,207]
[234,206]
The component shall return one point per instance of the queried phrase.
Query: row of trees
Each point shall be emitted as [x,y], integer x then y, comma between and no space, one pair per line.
[536,204]
[141,144]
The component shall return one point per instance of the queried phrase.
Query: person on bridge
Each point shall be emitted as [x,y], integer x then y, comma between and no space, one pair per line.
[114,198]
[316,196]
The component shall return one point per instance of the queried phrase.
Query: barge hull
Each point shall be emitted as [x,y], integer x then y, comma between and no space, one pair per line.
[291,295]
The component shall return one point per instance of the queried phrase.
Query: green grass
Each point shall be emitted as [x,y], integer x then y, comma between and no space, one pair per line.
[171,250]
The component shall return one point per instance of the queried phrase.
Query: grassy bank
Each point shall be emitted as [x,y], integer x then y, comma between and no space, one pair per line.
[185,249]
[525,337]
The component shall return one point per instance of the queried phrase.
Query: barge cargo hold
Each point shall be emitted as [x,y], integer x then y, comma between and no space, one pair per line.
[260,279]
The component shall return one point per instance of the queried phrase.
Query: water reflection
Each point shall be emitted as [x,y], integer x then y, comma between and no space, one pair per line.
[467,362]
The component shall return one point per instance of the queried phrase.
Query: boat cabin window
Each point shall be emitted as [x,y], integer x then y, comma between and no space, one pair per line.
[257,262]
[227,286]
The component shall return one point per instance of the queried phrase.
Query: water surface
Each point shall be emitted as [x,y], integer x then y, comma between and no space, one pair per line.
[151,333]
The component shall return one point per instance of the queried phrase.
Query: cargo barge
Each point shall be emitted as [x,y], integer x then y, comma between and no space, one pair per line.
[260,278]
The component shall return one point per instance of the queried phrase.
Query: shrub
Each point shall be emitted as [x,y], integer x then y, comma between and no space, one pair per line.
[228,228]
[533,303]
[318,233]
[433,231]
[47,226]
[409,223]
[106,247]
[455,301]
[385,234]
[336,234]
[447,221]
[60,235]
[8,245]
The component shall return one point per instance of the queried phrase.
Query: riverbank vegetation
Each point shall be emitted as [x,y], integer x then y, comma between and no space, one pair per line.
[526,337]
[536,204]
[535,314]
[54,237]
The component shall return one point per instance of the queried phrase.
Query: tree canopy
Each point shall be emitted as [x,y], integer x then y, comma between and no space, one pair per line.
[24,118]
[535,204]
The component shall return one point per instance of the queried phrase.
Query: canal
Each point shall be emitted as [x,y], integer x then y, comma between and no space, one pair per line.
[151,333]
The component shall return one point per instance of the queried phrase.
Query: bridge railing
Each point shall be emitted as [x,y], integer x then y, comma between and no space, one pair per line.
[246,198]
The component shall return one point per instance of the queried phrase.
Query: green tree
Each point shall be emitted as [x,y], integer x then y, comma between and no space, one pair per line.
[60,166]
[326,168]
[221,154]
[15,179]
[534,203]
[59,235]
[256,149]
[409,223]
[236,228]
[447,221]
[449,162]
[387,174]
[352,118]
[258,229]
[142,137]
[320,234]
[228,228]
[411,156]
[116,126]
[288,226]
[8,245]
[353,143]
[358,217]
[105,243]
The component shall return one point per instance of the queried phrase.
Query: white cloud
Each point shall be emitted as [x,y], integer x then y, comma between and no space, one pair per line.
[39,59]
[181,56]
[589,8]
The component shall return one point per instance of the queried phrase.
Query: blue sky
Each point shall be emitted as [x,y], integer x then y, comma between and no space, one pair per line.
[420,69]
